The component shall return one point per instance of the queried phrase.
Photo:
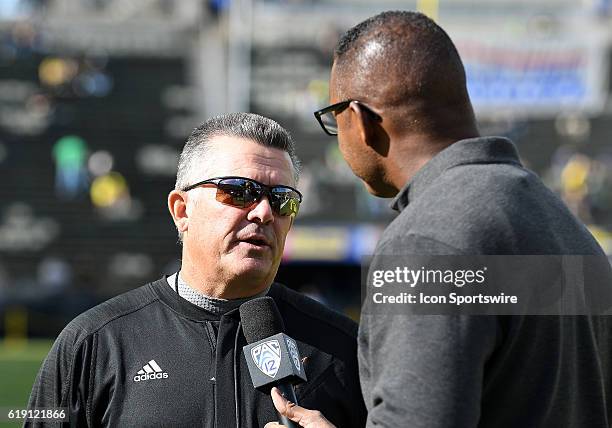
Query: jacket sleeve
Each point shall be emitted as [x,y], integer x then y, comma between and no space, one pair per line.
[424,370]
[63,379]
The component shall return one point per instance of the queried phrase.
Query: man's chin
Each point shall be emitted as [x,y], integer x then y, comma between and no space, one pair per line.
[255,270]
[254,267]
[380,190]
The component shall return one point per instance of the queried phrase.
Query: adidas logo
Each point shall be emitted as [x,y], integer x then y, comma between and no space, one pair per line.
[151,370]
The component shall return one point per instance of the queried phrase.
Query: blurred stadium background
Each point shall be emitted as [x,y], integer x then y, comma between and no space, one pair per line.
[98,96]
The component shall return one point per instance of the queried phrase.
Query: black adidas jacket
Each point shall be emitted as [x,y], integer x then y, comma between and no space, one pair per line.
[189,358]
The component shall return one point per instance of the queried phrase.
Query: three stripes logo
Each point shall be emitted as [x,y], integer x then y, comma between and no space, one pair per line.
[151,370]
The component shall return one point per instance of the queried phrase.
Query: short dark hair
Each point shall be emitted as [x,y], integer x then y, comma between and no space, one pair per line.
[414,51]
[249,126]
[417,21]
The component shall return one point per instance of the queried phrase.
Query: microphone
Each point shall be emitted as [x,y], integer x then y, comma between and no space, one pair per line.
[272,357]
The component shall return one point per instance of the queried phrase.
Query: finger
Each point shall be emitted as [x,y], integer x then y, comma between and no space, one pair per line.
[283,406]
[302,416]
[273,425]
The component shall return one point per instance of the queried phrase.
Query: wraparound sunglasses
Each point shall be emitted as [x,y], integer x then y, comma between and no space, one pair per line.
[243,192]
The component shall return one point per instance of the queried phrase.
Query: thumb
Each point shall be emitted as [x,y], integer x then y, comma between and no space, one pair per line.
[304,417]
[283,406]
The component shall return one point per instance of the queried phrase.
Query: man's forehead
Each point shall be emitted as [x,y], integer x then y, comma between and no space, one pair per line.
[244,149]
[230,155]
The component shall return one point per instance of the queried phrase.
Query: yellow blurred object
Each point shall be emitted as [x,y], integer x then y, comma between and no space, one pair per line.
[431,8]
[107,189]
[318,243]
[16,326]
[56,71]
[575,174]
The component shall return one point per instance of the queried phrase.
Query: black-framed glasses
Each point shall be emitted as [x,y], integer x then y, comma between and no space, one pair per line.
[243,192]
[327,116]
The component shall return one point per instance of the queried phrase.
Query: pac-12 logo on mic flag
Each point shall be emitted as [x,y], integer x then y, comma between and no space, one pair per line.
[293,351]
[267,357]
[274,359]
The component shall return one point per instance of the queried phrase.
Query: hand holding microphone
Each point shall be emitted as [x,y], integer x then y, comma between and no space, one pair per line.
[272,357]
[274,362]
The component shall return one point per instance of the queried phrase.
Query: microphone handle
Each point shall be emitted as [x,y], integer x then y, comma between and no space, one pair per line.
[287,391]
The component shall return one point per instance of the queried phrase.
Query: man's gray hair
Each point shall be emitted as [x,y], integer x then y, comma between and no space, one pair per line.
[249,126]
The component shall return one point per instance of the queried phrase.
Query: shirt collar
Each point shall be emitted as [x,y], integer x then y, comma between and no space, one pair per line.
[463,152]
[211,304]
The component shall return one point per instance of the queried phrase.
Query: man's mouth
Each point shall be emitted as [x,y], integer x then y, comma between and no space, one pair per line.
[257,241]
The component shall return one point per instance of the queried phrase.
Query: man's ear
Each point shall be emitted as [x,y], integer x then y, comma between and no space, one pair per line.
[177,205]
[370,130]
[364,123]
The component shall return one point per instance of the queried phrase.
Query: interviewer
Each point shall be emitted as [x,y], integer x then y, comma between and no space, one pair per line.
[405,125]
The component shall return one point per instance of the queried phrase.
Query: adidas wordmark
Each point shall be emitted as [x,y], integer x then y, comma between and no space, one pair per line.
[151,370]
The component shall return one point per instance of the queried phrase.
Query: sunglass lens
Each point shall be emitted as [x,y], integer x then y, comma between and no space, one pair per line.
[232,192]
[289,207]
[286,201]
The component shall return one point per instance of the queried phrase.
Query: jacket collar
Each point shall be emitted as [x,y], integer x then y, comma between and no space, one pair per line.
[211,304]
[189,310]
[463,152]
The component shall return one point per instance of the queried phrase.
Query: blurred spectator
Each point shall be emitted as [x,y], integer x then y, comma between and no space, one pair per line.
[585,184]
[110,194]
[69,153]
[574,185]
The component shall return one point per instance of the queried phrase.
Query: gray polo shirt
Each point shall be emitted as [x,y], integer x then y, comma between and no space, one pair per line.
[475,197]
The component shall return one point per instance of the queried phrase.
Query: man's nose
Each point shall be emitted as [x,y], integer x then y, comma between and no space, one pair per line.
[261,212]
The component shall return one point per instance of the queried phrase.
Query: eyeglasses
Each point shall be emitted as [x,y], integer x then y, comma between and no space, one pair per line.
[327,116]
[243,192]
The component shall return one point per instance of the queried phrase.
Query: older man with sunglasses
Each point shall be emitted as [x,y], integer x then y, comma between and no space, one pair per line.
[170,353]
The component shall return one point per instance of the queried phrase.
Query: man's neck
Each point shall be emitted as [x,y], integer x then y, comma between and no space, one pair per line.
[410,155]
[237,289]
[405,160]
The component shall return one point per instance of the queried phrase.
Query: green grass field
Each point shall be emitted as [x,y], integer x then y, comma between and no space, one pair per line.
[19,363]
